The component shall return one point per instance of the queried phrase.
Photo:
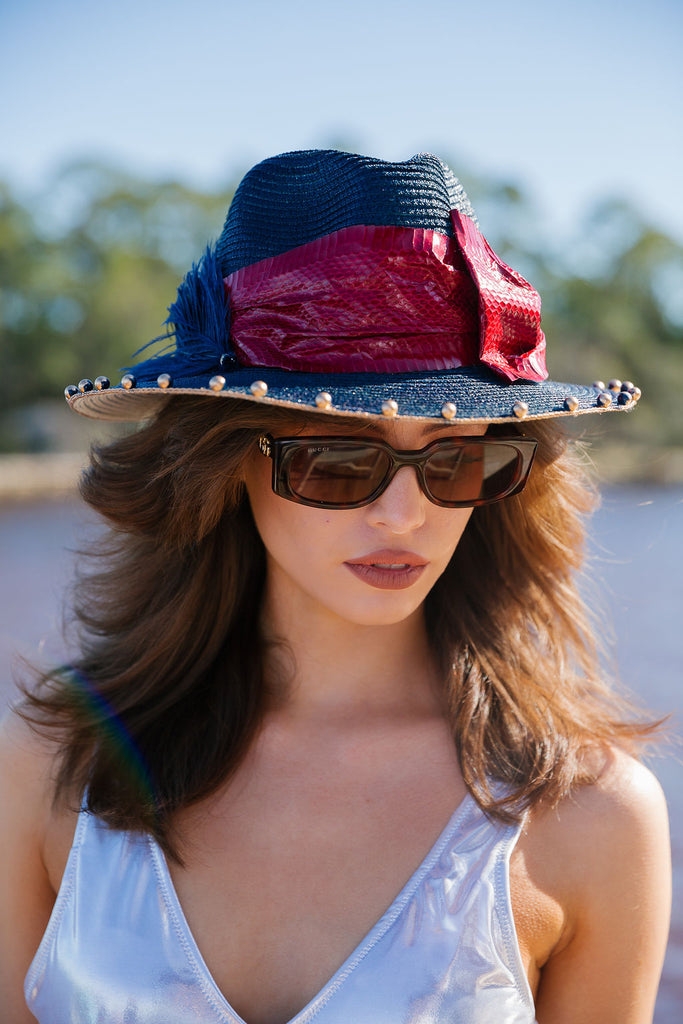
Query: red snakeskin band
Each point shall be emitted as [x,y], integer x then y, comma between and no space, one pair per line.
[387,300]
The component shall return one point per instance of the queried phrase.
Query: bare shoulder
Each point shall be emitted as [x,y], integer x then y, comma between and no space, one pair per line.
[26,768]
[602,857]
[628,806]
[34,847]
[624,789]
[622,814]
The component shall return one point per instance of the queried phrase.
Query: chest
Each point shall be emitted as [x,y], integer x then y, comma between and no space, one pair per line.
[289,877]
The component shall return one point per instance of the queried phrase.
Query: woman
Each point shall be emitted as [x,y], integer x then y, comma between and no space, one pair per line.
[334,652]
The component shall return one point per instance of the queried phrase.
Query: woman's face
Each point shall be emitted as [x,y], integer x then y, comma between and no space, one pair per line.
[371,566]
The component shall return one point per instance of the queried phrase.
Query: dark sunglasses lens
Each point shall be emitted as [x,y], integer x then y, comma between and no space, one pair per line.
[472,472]
[336,474]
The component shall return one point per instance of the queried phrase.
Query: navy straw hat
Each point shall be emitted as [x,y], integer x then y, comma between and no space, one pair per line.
[345,284]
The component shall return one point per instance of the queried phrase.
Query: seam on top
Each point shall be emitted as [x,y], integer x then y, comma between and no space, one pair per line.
[59,908]
[389,917]
[181,927]
[506,918]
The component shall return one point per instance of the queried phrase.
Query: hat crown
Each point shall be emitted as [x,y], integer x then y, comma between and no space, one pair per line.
[294,198]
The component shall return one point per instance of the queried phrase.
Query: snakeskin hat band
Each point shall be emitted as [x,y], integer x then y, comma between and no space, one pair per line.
[345,284]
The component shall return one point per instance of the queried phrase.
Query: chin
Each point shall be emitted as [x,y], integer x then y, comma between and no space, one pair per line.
[381,610]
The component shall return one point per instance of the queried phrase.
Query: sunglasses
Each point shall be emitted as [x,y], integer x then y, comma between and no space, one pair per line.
[350,472]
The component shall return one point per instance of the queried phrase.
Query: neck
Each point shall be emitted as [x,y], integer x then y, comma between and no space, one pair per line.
[319,665]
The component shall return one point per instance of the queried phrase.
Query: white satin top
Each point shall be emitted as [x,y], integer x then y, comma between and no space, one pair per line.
[118,950]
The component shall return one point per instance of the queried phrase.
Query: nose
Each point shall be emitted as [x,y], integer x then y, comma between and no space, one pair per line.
[401,507]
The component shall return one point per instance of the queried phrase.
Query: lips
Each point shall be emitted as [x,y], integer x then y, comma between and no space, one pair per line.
[388,569]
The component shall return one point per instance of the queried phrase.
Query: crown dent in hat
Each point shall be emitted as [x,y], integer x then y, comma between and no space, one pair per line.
[294,198]
[447,325]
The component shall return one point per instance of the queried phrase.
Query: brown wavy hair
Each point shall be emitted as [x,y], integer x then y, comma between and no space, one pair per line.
[169,689]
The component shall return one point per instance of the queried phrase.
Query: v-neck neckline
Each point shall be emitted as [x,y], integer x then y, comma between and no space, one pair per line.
[366,944]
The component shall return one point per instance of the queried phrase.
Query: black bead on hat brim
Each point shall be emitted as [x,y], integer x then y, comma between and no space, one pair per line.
[455,396]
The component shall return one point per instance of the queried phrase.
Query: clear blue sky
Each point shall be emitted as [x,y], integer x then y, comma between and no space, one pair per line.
[575,100]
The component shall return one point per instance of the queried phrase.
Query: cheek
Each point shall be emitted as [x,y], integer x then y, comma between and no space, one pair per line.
[264,503]
[284,526]
[449,528]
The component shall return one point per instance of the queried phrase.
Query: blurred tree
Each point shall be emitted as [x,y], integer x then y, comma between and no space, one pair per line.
[618,310]
[87,272]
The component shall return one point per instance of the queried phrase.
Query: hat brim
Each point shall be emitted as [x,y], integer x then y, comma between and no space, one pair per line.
[477,394]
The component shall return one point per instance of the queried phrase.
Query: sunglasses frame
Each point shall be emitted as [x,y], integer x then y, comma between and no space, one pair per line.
[279,449]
